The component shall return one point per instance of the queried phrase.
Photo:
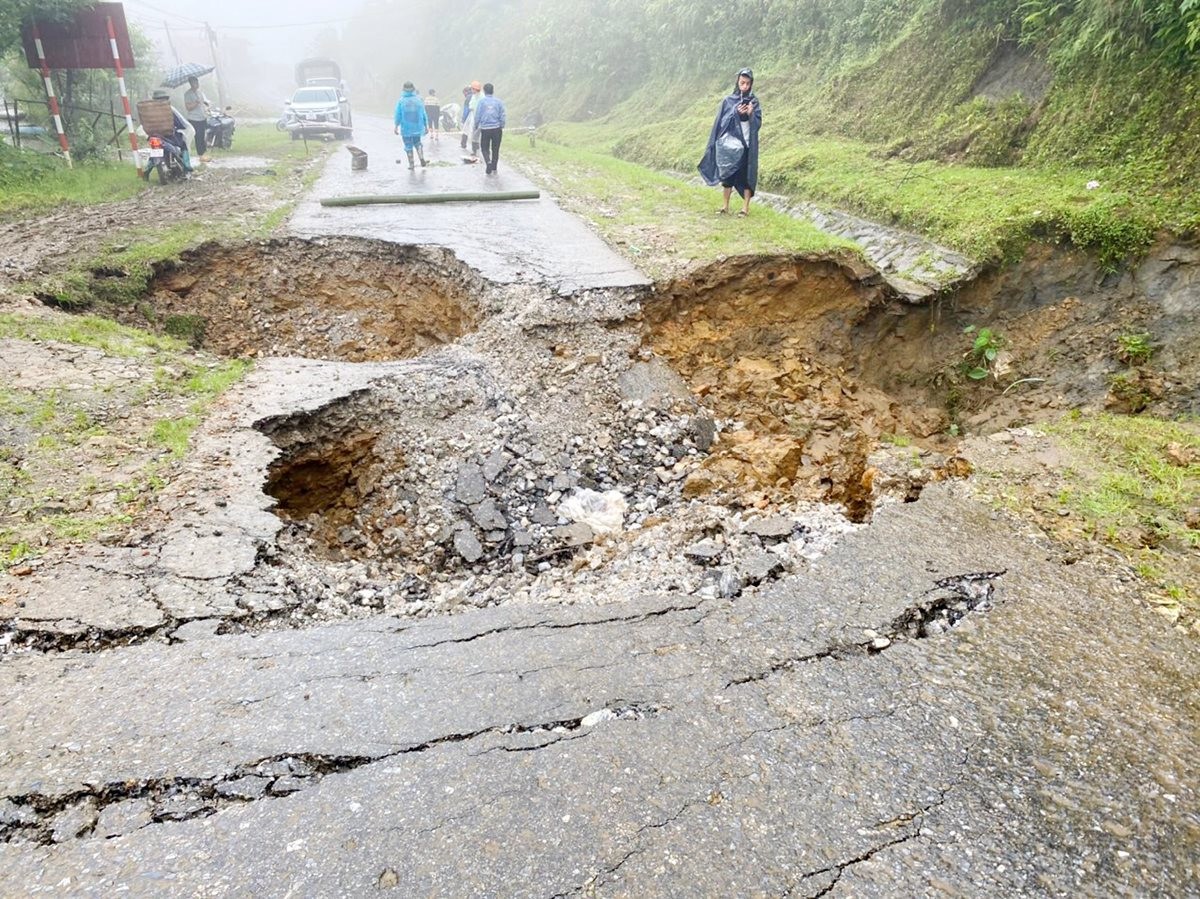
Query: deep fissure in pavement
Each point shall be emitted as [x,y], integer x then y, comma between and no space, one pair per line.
[115,809]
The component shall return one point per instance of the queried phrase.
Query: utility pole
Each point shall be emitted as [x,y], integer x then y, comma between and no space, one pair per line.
[171,44]
[212,44]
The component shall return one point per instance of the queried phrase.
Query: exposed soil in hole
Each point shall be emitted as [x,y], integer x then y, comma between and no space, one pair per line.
[327,470]
[816,366]
[1060,321]
[763,343]
[355,300]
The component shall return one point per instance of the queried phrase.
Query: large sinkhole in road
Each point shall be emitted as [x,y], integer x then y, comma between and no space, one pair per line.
[335,298]
[773,345]
[731,389]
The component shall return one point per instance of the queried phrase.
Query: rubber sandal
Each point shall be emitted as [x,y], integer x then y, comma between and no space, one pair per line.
[742,213]
[722,212]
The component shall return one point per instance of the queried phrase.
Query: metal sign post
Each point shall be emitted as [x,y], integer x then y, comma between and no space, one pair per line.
[55,113]
[133,143]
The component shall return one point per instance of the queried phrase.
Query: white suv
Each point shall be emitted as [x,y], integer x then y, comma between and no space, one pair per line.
[319,110]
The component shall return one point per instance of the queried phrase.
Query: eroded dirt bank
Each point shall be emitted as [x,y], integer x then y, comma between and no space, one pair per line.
[357,300]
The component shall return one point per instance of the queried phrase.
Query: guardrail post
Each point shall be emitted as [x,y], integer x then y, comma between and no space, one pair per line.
[52,100]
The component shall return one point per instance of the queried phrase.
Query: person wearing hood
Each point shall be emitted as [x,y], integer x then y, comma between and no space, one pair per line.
[410,122]
[470,103]
[731,157]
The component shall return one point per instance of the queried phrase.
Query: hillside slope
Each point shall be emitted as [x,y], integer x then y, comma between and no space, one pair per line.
[981,122]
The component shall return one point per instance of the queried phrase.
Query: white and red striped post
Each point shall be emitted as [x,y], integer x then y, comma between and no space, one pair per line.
[55,113]
[112,40]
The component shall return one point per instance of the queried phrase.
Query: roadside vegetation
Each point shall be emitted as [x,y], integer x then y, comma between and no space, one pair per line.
[1136,487]
[661,223]
[119,272]
[1127,483]
[86,447]
[79,461]
[985,124]
[31,183]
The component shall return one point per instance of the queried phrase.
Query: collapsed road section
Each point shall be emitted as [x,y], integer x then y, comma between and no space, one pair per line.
[622,572]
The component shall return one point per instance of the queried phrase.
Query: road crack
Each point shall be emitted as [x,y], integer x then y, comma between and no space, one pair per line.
[44,819]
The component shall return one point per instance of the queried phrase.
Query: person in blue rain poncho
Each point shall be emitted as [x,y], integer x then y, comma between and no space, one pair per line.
[410,122]
[731,158]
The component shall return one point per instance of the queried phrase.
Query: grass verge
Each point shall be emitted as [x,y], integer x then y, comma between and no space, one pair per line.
[121,270]
[31,184]
[990,213]
[657,221]
[1134,483]
[79,460]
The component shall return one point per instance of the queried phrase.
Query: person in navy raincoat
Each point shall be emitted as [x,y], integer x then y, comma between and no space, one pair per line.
[731,158]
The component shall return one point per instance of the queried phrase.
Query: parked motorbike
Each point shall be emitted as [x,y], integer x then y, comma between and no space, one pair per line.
[168,159]
[220,127]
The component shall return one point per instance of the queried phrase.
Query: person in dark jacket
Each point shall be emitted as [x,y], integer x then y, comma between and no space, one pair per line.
[731,158]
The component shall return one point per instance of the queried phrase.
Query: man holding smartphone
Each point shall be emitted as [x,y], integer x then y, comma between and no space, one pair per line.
[731,158]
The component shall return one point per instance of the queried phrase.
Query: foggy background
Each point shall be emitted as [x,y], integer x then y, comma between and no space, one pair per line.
[378,45]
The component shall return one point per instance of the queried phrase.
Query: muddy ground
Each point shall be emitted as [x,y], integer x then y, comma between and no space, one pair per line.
[694,511]
[762,383]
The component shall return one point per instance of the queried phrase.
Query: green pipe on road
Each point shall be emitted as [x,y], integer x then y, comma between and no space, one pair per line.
[488,197]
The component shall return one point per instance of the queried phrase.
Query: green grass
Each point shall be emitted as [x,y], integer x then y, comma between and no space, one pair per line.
[990,213]
[209,383]
[54,458]
[120,272]
[90,331]
[265,140]
[29,187]
[83,528]
[655,218]
[173,434]
[1141,486]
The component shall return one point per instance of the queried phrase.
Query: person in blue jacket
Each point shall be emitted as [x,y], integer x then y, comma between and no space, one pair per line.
[490,119]
[731,158]
[411,123]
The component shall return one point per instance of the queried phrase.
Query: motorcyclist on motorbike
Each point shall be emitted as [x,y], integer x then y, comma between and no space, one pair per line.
[176,142]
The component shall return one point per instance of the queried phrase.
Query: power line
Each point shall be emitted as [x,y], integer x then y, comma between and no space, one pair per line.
[201,22]
[285,25]
[163,12]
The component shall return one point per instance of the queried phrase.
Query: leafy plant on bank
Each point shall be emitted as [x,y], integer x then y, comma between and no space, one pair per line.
[980,359]
[1134,349]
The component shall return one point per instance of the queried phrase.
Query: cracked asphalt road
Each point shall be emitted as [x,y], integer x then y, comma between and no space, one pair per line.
[796,740]
[1028,752]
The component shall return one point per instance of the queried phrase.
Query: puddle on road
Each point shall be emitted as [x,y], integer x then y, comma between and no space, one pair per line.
[240,162]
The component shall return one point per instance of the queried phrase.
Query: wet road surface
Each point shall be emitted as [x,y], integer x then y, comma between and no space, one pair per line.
[521,240]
